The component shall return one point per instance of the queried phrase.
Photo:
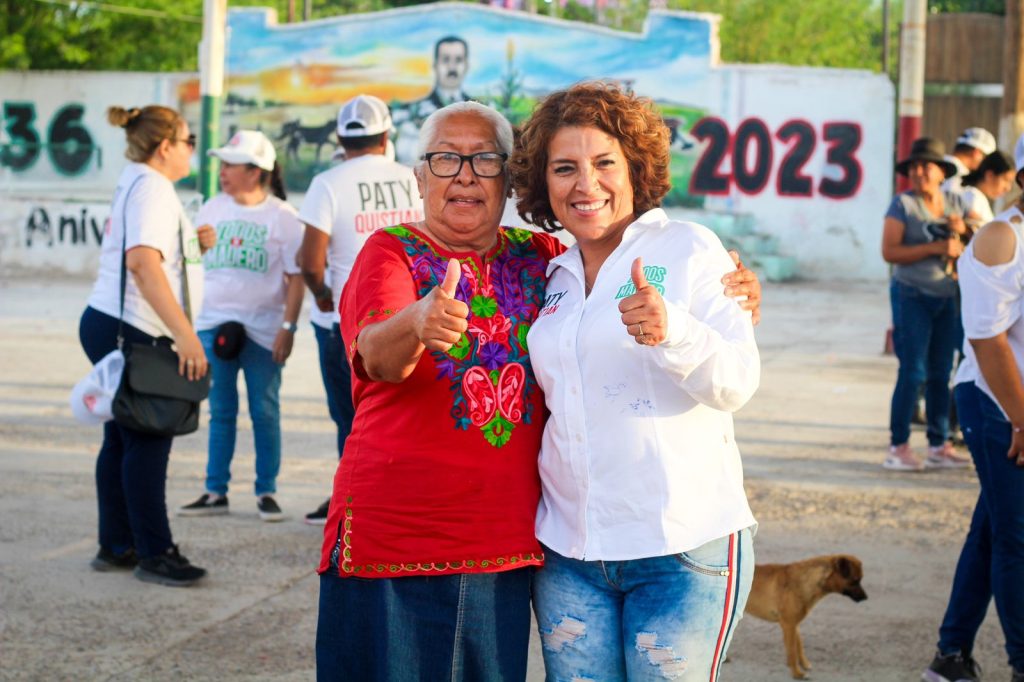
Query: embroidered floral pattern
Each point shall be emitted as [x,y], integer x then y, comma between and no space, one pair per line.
[488,370]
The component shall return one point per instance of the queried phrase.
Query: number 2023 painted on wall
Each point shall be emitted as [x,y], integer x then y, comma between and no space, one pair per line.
[842,137]
[68,143]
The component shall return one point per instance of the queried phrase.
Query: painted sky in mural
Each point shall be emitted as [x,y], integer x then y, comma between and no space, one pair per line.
[289,80]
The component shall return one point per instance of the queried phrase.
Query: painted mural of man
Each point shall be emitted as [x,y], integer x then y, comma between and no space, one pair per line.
[451,64]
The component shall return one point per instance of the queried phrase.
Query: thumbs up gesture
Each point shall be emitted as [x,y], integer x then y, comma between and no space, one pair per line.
[441,318]
[643,313]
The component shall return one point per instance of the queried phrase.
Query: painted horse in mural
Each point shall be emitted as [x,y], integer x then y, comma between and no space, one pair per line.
[297,134]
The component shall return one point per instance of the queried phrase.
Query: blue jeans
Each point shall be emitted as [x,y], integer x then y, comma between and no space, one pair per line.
[926,333]
[992,559]
[337,378]
[668,617]
[131,469]
[448,627]
[263,385]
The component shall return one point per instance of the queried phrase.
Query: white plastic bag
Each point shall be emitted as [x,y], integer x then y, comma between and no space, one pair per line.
[92,397]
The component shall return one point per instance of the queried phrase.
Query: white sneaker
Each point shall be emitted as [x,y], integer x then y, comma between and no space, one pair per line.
[902,458]
[944,457]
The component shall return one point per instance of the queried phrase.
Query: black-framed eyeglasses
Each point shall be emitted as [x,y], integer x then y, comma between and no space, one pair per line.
[449,164]
[190,141]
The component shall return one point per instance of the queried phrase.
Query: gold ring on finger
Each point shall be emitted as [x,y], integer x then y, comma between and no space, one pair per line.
[640,330]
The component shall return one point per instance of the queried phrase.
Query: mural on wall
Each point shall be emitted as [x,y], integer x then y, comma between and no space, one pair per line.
[290,80]
[798,159]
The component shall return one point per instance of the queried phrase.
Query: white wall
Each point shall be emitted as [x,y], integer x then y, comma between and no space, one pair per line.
[830,237]
[51,217]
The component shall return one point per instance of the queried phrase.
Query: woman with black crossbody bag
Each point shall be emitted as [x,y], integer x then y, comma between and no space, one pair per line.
[150,238]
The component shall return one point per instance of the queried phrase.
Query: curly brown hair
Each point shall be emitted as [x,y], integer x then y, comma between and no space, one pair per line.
[632,120]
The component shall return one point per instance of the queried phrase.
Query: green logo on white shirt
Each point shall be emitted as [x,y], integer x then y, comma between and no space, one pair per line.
[240,244]
[655,275]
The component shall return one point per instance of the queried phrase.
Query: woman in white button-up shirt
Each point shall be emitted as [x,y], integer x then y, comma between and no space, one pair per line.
[642,360]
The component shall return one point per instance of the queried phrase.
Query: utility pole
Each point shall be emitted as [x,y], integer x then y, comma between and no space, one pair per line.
[911,86]
[211,87]
[1011,119]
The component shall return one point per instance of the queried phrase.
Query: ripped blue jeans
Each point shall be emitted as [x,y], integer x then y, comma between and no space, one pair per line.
[659,618]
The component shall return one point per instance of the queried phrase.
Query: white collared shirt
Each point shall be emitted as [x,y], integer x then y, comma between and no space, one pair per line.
[638,457]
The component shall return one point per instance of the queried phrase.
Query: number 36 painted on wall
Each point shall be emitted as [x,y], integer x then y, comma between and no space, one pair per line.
[68,143]
[751,152]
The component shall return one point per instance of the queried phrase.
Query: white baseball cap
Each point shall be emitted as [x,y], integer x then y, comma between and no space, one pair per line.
[979,138]
[92,398]
[248,146]
[362,116]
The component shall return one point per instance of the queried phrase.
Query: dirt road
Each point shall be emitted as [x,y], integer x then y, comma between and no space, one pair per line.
[812,440]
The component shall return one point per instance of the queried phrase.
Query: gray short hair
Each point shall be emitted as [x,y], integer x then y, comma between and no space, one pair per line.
[502,128]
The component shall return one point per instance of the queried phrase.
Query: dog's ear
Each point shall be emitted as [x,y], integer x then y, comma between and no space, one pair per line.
[844,567]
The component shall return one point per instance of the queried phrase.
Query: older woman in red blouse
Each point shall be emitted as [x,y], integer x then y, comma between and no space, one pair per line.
[429,543]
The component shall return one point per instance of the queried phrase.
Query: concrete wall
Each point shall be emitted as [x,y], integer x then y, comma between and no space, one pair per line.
[815,144]
[62,159]
[829,161]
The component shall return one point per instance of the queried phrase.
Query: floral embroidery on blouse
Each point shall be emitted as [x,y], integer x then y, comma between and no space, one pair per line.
[489,371]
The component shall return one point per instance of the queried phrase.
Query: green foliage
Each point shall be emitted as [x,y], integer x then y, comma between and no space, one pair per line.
[36,35]
[985,6]
[574,11]
[838,33]
[41,35]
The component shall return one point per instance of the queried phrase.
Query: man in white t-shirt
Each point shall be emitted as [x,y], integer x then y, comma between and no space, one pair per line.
[344,206]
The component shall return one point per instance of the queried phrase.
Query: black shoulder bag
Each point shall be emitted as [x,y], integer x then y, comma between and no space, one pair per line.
[152,397]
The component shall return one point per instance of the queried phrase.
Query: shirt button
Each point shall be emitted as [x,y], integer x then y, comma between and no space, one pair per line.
[579,438]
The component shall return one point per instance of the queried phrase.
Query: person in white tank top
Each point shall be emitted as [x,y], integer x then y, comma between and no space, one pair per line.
[990,402]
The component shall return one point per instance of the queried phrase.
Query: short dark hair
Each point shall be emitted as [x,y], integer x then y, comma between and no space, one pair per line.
[996,163]
[450,39]
[358,144]
[962,148]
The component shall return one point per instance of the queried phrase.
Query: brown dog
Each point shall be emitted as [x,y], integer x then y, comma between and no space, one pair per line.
[786,593]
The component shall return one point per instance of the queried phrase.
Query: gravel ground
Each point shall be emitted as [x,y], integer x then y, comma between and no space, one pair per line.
[812,439]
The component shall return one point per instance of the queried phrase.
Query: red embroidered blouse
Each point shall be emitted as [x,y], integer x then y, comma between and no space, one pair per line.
[439,473]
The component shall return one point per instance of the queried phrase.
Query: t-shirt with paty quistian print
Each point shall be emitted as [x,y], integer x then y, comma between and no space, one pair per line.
[439,473]
[245,269]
